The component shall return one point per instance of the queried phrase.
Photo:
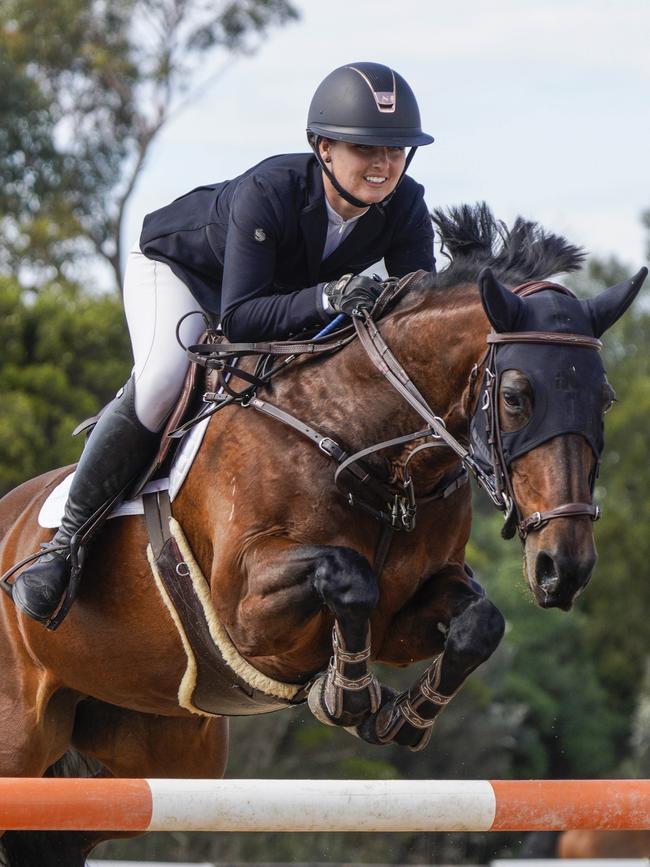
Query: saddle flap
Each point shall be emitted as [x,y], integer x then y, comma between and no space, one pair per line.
[197,382]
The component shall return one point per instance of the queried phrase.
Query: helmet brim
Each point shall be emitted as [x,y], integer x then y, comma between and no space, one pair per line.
[372,136]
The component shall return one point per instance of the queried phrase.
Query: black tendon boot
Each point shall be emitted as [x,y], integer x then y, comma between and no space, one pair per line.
[118,449]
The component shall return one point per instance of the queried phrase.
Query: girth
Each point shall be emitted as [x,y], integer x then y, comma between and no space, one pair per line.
[223,683]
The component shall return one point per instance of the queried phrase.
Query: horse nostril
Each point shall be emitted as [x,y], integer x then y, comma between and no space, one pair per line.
[546,573]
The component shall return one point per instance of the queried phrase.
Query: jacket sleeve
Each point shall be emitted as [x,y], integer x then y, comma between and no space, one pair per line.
[412,245]
[250,309]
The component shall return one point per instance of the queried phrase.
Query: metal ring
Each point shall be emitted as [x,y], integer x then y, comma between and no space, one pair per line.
[180,571]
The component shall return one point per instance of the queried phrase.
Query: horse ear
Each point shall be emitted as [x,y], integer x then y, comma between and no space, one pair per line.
[610,305]
[501,306]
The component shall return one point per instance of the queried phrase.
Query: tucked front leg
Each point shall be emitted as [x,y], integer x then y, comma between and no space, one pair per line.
[294,593]
[348,692]
[474,628]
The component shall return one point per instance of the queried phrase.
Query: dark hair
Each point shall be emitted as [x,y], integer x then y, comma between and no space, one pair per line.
[473,239]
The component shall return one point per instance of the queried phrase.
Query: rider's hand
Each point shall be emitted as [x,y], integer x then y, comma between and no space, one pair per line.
[351,294]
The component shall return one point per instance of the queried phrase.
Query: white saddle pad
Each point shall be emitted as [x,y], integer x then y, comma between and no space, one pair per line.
[52,509]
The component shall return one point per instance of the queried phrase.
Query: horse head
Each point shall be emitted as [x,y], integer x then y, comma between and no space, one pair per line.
[539,422]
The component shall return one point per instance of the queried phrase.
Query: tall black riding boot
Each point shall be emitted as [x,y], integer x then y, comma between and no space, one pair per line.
[117,451]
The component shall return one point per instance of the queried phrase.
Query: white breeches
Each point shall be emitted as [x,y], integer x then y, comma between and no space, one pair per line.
[154,300]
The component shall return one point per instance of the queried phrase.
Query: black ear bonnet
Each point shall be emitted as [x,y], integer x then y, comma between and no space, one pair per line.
[566,381]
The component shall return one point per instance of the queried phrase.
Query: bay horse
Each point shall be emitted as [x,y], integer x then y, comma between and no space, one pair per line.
[289,560]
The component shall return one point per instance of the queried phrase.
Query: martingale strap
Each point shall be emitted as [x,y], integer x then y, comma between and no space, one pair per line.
[384,360]
[404,506]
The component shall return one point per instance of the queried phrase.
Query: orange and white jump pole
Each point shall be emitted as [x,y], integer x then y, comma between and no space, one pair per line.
[323,805]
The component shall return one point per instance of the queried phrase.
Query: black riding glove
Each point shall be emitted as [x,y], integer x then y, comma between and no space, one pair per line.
[350,294]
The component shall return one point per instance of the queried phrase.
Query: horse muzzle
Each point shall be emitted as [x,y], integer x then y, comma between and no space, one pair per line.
[558,573]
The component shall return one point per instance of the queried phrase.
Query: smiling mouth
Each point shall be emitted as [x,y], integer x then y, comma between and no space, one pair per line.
[375,180]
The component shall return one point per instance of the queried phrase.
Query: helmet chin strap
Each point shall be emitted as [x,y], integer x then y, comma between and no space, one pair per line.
[352,200]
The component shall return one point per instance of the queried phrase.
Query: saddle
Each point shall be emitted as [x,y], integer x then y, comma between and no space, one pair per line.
[197,382]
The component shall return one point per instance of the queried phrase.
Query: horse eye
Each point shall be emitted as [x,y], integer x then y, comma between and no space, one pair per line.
[512,399]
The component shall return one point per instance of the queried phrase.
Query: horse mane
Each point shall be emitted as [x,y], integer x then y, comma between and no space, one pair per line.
[473,239]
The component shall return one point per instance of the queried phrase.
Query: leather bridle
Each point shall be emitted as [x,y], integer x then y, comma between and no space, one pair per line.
[402,510]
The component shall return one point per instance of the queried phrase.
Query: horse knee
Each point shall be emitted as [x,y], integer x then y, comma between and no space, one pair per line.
[476,632]
[345,582]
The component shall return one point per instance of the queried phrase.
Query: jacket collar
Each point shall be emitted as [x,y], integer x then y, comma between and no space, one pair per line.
[313,223]
[313,220]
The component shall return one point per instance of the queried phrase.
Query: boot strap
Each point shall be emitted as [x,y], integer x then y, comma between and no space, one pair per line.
[78,543]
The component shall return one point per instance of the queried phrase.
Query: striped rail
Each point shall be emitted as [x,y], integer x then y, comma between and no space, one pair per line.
[323,805]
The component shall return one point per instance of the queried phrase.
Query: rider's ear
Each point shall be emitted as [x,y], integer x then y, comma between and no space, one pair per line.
[611,304]
[325,146]
[501,306]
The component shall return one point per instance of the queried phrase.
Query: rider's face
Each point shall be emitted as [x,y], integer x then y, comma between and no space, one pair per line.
[368,173]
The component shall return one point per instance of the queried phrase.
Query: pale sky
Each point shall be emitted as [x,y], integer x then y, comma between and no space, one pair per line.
[540,108]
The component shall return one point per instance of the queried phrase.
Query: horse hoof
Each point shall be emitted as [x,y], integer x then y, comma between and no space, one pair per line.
[367,730]
[316,701]
[318,705]
[384,727]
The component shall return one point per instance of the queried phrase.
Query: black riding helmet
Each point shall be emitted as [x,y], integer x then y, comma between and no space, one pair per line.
[365,103]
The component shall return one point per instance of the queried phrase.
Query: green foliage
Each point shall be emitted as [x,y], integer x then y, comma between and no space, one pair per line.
[618,601]
[65,353]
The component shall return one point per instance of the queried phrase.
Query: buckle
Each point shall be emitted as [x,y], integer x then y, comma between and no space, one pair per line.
[331,448]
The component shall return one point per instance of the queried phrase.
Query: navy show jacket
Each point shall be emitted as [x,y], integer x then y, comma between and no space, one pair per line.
[248,247]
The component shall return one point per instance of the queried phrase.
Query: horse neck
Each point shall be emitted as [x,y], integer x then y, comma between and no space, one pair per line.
[438,339]
[435,340]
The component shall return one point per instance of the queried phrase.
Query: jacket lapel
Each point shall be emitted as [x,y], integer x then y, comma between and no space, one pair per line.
[313,222]
[313,225]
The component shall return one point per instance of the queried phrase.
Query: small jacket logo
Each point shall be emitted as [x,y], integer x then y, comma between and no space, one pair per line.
[260,235]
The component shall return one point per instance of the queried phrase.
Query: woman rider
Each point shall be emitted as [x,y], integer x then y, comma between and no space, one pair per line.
[243,252]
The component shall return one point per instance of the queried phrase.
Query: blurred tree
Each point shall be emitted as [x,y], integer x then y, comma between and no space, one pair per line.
[85,87]
[64,355]
[617,604]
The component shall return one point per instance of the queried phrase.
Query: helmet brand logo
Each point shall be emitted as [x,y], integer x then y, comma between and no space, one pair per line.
[385,101]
